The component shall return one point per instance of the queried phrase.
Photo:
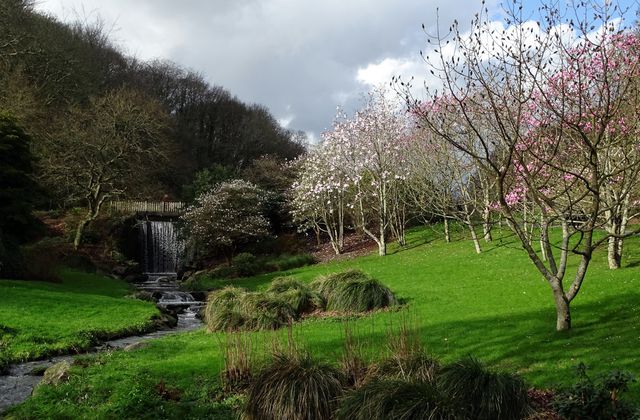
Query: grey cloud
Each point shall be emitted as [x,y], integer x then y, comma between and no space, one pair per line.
[294,56]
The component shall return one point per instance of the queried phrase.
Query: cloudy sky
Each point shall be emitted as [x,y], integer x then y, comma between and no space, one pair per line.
[300,58]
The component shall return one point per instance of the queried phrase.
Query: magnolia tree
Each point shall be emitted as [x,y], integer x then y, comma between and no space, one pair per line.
[449,184]
[323,191]
[377,137]
[357,173]
[228,216]
[551,110]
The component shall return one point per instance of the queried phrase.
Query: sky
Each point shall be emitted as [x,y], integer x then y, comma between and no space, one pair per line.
[300,58]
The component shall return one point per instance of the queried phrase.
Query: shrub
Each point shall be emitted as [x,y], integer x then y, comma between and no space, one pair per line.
[221,272]
[246,264]
[294,388]
[412,367]
[595,399]
[396,399]
[297,294]
[287,262]
[482,394]
[221,313]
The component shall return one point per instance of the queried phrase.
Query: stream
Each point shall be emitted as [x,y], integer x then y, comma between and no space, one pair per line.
[18,384]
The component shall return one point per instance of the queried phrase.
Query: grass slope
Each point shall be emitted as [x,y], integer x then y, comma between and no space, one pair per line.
[493,306]
[38,319]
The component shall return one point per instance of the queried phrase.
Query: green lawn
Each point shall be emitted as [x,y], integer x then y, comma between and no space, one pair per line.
[38,319]
[493,306]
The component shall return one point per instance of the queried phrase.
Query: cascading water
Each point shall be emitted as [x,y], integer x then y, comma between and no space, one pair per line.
[161,247]
[161,252]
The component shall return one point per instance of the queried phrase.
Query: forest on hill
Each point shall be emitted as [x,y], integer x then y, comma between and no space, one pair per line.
[100,124]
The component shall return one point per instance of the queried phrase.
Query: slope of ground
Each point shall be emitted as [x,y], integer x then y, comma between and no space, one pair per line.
[494,306]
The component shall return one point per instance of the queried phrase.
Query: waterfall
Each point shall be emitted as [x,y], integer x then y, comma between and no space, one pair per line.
[161,248]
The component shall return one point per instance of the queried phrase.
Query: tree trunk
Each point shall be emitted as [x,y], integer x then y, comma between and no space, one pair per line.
[447,233]
[474,237]
[80,230]
[486,224]
[613,254]
[563,311]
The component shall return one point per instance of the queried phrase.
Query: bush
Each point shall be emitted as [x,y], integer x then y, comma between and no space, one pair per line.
[220,272]
[246,264]
[297,294]
[294,388]
[353,291]
[396,399]
[220,313]
[482,394]
[42,259]
[595,399]
[287,262]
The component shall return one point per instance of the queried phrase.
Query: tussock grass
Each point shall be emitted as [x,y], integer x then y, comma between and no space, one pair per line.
[239,354]
[483,394]
[234,309]
[353,291]
[297,294]
[396,399]
[294,387]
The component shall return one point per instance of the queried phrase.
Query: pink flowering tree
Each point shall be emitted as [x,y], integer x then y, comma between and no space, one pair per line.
[550,110]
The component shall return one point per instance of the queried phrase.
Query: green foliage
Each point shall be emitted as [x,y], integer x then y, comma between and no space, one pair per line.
[482,394]
[44,259]
[353,291]
[239,360]
[206,179]
[294,388]
[396,399]
[297,294]
[287,262]
[416,366]
[246,264]
[596,399]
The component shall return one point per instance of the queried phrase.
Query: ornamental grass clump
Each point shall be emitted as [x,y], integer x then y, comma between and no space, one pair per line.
[221,312]
[482,394]
[353,291]
[265,311]
[299,295]
[294,387]
[385,399]
[235,309]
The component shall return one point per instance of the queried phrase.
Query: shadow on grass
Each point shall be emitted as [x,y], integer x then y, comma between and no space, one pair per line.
[605,336]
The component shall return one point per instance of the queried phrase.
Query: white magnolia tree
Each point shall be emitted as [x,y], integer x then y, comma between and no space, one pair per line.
[357,174]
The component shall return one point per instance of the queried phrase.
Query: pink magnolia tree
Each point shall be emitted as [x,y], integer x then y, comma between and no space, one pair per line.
[550,111]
